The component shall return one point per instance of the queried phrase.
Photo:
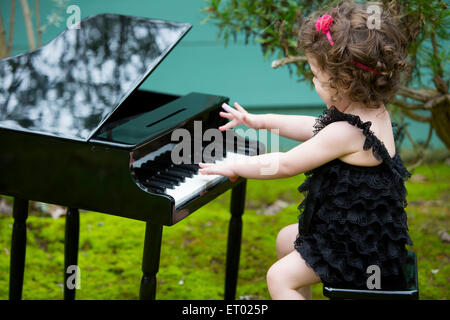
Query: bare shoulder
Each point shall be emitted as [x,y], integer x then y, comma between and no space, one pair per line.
[336,140]
[343,133]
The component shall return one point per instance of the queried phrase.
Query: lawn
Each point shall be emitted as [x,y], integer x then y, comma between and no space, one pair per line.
[193,251]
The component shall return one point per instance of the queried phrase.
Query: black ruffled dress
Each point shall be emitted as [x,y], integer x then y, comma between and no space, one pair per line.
[353,216]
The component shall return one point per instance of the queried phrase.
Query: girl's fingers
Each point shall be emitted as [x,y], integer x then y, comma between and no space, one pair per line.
[230,110]
[238,107]
[226,115]
[210,170]
[205,165]
[217,170]
[226,107]
[229,125]
[237,117]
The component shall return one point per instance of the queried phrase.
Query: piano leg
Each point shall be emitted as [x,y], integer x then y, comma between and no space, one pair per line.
[234,239]
[18,248]
[72,231]
[150,260]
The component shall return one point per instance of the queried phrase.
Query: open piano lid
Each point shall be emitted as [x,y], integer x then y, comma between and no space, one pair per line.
[72,85]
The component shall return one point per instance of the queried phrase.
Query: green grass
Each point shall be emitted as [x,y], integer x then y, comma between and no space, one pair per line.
[193,251]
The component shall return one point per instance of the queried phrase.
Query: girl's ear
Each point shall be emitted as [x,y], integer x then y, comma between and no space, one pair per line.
[335,96]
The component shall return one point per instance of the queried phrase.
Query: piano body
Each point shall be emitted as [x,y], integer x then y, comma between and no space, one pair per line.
[77,131]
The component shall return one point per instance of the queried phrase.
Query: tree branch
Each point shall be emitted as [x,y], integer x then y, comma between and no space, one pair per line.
[436,101]
[290,59]
[3,50]
[38,23]
[283,40]
[421,95]
[416,116]
[430,133]
[415,145]
[407,110]
[11,27]
[406,105]
[436,53]
[28,24]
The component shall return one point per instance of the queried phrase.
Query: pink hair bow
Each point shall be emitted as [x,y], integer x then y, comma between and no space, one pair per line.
[323,25]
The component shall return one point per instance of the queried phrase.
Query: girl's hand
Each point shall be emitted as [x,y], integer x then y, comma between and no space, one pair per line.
[238,116]
[220,169]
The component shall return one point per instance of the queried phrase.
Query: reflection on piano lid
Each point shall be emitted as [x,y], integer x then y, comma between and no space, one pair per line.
[72,85]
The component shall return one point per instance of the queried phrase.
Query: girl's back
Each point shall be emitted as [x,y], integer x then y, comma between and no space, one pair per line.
[381,126]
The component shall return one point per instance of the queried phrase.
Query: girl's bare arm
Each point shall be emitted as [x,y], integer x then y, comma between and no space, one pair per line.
[296,127]
[334,141]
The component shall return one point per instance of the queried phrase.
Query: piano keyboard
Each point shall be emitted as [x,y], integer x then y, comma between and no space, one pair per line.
[182,182]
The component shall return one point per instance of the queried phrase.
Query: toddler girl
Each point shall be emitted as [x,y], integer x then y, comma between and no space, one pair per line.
[353,214]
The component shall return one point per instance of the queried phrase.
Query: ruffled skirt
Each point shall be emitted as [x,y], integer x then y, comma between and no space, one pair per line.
[358,221]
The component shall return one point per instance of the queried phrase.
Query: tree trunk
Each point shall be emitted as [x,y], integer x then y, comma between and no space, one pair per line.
[3,45]
[440,118]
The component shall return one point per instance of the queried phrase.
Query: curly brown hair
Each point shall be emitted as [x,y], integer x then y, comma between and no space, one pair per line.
[384,49]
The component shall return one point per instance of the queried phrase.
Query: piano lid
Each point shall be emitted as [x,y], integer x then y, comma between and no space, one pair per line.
[70,86]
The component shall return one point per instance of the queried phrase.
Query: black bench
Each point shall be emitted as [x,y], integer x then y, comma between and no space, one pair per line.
[412,293]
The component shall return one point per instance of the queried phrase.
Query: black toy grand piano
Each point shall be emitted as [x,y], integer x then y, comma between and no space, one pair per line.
[76,131]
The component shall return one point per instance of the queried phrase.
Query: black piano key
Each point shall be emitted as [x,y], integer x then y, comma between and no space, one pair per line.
[164,177]
[191,167]
[154,183]
[160,161]
[169,173]
[157,190]
[180,171]
[147,165]
[165,157]
[168,184]
[153,187]
[149,183]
